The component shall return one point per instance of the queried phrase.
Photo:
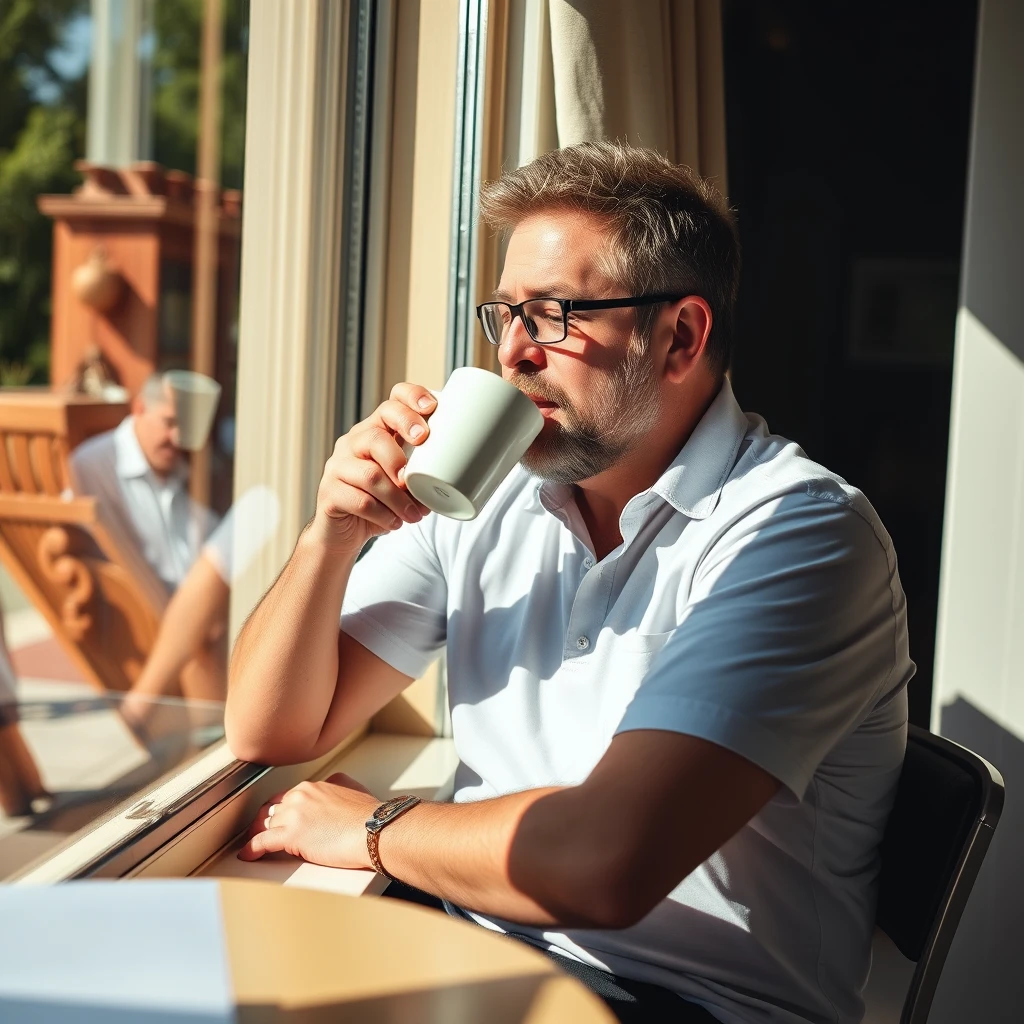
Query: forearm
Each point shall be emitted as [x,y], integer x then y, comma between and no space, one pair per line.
[285,662]
[196,608]
[528,857]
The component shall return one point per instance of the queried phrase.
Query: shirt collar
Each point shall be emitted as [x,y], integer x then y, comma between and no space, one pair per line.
[693,482]
[130,460]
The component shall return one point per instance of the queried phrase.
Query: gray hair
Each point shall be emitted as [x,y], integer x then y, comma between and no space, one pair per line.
[672,232]
[153,390]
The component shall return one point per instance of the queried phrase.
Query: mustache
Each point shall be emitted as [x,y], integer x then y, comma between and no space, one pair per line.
[536,385]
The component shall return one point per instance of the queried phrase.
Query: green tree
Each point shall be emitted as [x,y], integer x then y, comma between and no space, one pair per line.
[178,26]
[42,125]
[42,133]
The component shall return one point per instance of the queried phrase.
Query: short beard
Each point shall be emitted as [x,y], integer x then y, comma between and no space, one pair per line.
[584,446]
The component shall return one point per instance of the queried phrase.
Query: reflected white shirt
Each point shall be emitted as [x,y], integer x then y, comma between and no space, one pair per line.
[754,602]
[156,514]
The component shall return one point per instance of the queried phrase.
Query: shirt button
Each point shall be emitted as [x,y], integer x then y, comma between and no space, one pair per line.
[583,643]
[588,563]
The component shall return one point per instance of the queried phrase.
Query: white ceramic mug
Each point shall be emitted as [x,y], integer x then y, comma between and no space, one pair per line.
[195,398]
[480,429]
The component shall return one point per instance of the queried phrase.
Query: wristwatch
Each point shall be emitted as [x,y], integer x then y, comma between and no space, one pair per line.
[384,815]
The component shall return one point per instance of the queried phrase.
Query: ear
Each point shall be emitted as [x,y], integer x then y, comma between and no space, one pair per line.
[138,405]
[690,329]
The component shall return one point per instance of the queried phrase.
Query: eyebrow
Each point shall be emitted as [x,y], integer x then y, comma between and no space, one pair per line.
[555,290]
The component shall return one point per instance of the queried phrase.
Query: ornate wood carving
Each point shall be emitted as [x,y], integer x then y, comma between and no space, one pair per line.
[63,568]
[102,601]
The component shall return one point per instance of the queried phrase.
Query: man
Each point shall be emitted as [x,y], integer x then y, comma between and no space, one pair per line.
[139,475]
[677,649]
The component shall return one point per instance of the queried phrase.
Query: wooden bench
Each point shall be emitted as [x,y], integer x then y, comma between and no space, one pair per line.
[102,601]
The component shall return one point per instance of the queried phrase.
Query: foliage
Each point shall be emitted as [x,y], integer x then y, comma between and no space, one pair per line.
[38,144]
[178,26]
[42,133]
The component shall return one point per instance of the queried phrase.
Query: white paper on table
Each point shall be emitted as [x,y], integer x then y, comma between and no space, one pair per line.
[114,952]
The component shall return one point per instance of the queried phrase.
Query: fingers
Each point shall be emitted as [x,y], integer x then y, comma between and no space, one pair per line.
[415,396]
[362,492]
[362,478]
[260,822]
[405,423]
[377,467]
[270,841]
[386,512]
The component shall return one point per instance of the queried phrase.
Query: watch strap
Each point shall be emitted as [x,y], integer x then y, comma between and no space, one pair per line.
[375,824]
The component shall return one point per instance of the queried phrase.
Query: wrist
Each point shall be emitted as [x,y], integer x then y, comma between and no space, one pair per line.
[322,552]
[382,819]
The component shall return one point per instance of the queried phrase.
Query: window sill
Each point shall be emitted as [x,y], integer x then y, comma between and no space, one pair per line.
[388,765]
[192,823]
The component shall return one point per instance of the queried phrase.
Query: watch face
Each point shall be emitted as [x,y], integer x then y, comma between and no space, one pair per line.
[386,808]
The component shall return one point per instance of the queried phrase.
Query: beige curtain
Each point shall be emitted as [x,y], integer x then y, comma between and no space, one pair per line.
[648,72]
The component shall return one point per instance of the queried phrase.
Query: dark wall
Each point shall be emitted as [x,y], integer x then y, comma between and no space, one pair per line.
[848,131]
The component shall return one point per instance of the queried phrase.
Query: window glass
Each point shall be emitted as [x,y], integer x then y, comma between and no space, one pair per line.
[121,167]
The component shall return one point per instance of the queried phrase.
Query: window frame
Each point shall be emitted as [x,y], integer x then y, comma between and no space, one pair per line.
[357,258]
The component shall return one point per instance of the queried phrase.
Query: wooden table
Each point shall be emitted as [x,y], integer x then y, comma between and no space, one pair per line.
[231,951]
[296,954]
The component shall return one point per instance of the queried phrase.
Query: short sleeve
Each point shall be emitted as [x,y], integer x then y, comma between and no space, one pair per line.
[794,630]
[233,544]
[396,601]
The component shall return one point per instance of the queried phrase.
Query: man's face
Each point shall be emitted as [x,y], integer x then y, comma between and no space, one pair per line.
[597,390]
[156,427]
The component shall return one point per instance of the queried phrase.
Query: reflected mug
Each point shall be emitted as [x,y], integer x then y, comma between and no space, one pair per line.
[195,397]
[480,428]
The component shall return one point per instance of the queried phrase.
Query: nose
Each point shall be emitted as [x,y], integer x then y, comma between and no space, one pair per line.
[517,347]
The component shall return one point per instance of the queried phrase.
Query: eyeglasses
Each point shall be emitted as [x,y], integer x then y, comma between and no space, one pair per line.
[547,320]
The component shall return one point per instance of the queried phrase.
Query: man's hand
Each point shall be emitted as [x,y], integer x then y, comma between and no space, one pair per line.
[362,494]
[291,696]
[322,822]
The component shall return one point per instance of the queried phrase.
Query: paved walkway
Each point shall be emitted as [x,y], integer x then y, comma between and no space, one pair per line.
[88,758]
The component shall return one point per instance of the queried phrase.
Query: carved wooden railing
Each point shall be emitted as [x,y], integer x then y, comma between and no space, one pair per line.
[101,600]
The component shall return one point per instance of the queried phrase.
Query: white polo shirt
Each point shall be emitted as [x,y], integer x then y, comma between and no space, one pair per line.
[156,514]
[158,517]
[754,602]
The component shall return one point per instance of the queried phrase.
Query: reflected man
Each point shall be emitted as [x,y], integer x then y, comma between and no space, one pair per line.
[139,475]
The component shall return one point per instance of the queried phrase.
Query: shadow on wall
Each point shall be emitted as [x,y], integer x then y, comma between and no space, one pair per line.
[982,979]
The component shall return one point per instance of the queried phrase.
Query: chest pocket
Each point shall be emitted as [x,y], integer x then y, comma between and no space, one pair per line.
[622,667]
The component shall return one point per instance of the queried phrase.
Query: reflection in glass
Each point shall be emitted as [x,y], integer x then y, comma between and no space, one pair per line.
[119,532]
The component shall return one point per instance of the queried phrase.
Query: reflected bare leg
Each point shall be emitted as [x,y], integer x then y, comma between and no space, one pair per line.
[20,781]
[189,656]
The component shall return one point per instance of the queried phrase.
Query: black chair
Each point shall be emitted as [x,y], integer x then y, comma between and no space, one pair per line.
[947,805]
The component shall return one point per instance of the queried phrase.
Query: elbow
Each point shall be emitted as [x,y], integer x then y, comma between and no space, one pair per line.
[615,904]
[249,745]
[607,893]
[243,746]
[577,869]
[240,739]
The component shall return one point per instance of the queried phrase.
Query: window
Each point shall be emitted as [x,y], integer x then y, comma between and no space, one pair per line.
[345,218]
[122,147]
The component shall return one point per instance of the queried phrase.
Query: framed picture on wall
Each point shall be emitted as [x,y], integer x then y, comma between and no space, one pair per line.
[902,310]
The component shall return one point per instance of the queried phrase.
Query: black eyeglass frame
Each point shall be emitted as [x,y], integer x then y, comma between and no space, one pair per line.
[568,306]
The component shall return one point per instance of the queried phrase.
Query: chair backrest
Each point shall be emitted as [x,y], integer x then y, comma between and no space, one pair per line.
[947,805]
[101,600]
